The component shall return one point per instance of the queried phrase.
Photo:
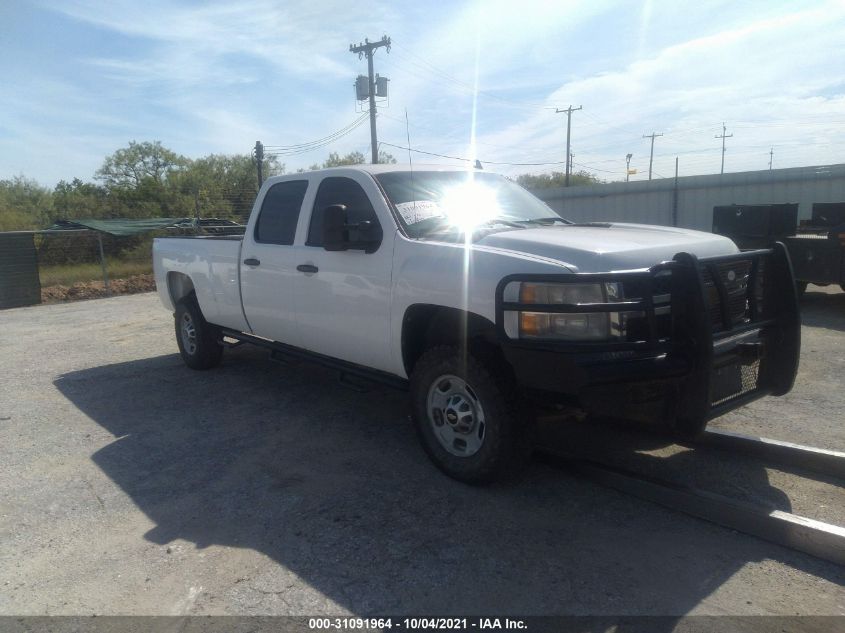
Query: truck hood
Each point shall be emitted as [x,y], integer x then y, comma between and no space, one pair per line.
[606,247]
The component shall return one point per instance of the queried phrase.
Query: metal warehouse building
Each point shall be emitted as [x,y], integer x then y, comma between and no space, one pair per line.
[688,201]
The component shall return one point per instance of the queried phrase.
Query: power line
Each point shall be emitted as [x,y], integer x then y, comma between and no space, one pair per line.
[486,162]
[585,166]
[331,136]
[304,148]
[419,151]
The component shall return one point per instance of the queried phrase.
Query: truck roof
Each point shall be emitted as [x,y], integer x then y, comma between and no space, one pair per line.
[380,169]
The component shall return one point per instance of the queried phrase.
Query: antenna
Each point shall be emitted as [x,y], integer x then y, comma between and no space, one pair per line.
[408,135]
[410,160]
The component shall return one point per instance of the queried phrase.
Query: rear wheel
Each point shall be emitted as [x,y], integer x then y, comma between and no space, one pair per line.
[468,417]
[198,340]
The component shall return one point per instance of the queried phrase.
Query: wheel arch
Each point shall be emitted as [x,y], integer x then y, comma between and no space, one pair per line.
[179,286]
[427,325]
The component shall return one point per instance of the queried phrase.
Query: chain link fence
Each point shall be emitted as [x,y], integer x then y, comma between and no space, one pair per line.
[52,265]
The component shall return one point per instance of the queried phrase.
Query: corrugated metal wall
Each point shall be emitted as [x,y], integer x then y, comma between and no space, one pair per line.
[651,202]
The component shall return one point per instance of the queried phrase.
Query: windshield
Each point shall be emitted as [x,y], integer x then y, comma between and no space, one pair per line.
[433,201]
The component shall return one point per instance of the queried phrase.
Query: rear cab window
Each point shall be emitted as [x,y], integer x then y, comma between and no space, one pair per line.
[279,213]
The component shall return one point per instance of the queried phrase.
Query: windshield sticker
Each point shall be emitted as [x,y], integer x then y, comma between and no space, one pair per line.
[419,210]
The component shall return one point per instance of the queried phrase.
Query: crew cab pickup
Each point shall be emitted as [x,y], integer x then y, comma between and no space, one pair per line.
[473,294]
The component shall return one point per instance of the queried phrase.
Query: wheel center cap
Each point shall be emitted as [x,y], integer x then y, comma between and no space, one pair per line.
[451,417]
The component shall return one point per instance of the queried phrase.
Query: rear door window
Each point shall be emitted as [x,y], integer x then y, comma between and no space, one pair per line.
[280,212]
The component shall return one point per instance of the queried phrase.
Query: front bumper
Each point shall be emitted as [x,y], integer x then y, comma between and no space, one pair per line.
[732,335]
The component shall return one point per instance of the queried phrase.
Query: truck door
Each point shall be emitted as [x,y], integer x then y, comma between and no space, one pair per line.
[267,266]
[343,297]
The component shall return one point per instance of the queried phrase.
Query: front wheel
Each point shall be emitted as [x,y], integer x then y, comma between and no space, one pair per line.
[198,341]
[467,416]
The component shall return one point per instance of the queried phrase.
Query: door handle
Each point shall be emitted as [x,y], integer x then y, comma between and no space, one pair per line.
[252,262]
[307,268]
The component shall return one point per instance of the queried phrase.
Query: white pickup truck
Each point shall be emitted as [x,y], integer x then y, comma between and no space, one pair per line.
[466,289]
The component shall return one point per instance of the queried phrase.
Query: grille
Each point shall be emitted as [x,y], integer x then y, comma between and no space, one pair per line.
[733,381]
[734,276]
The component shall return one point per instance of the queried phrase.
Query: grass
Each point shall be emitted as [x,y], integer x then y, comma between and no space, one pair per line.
[67,274]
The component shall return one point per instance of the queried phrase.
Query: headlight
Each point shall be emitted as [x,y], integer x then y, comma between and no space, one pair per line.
[570,326]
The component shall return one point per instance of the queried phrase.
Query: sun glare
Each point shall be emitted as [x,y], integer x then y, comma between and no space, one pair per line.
[469,204]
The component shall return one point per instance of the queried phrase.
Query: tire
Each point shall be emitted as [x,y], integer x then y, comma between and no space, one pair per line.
[198,341]
[468,417]
[801,287]
[688,429]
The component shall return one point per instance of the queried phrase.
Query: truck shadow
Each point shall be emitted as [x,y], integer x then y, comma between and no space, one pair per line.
[823,309]
[331,484]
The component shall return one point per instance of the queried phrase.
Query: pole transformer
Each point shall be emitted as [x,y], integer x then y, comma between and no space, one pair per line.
[652,136]
[628,167]
[723,136]
[569,112]
[368,49]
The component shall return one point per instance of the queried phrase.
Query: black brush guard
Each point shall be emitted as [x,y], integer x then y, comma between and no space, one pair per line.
[732,333]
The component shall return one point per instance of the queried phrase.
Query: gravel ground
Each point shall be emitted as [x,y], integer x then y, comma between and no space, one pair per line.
[132,485]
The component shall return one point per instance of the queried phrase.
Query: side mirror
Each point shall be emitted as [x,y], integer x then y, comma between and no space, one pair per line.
[368,236]
[338,235]
[335,232]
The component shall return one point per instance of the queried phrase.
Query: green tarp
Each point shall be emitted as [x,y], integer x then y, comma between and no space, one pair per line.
[121,227]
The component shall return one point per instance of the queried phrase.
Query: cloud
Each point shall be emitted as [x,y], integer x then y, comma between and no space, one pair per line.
[188,43]
[216,77]
[762,74]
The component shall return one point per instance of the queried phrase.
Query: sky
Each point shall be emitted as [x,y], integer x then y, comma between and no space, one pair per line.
[479,79]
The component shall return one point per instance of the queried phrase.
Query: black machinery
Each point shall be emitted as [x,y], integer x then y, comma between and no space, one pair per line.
[816,246]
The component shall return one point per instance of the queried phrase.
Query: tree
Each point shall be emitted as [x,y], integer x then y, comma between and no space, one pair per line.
[136,179]
[77,199]
[24,205]
[556,179]
[353,158]
[222,186]
[132,166]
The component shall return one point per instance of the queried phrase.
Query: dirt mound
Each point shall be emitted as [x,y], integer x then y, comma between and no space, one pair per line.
[96,289]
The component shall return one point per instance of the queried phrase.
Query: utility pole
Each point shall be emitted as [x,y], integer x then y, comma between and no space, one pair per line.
[369,48]
[723,136]
[675,196]
[569,112]
[259,162]
[652,136]
[771,156]
[628,167]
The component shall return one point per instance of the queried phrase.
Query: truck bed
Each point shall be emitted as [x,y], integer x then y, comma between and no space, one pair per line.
[211,263]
